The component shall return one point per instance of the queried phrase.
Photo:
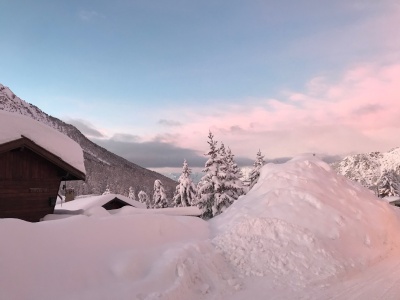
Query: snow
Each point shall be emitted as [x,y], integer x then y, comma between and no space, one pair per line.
[94,201]
[92,206]
[369,167]
[171,211]
[301,221]
[391,198]
[302,232]
[13,126]
[126,257]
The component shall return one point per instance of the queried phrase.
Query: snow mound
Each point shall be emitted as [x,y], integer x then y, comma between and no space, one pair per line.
[262,246]
[302,220]
[114,257]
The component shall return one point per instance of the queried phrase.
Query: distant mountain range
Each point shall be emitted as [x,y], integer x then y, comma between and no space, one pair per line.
[103,168]
[368,168]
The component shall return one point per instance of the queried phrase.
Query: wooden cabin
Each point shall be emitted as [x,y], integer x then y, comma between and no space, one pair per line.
[30,178]
[31,169]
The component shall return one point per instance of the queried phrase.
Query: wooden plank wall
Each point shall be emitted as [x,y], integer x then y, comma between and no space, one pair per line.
[27,181]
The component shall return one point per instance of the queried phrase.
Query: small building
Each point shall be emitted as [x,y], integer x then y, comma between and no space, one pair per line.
[393,200]
[34,159]
[113,203]
[109,202]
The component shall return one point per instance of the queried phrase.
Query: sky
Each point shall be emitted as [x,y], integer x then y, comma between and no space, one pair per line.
[149,79]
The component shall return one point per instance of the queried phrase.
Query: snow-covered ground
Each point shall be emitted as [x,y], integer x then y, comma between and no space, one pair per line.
[84,203]
[302,232]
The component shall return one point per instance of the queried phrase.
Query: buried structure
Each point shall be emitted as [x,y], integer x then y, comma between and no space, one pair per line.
[34,159]
[108,202]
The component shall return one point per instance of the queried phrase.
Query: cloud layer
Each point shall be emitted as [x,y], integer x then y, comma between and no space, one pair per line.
[356,113]
[351,105]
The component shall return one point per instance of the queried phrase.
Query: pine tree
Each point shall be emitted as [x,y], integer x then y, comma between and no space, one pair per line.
[131,194]
[255,172]
[233,176]
[388,184]
[207,185]
[224,187]
[159,196]
[107,191]
[185,193]
[144,198]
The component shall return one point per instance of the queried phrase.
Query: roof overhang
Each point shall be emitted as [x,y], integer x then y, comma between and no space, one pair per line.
[71,172]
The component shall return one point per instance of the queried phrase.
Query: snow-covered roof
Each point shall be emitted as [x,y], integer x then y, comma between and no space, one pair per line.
[89,202]
[13,126]
[391,199]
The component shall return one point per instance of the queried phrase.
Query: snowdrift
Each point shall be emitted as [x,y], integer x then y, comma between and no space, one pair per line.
[125,257]
[303,221]
[300,224]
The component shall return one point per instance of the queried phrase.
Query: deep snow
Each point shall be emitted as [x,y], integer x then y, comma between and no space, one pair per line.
[14,125]
[84,203]
[302,232]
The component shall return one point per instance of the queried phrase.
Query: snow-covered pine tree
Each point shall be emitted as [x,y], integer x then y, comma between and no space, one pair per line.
[388,184]
[233,176]
[107,191]
[159,196]
[144,198]
[223,187]
[255,172]
[206,187]
[131,194]
[213,195]
[185,192]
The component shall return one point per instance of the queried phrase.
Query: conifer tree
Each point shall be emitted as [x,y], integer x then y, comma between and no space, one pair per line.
[107,191]
[131,194]
[144,198]
[255,172]
[159,196]
[233,176]
[185,192]
[209,182]
[224,187]
[388,184]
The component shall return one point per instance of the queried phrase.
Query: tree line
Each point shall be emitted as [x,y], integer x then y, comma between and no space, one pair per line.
[219,187]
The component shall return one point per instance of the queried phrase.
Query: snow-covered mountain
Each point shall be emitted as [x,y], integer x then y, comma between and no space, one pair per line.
[368,168]
[102,167]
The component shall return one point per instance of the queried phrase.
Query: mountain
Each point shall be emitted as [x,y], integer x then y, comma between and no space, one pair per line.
[102,167]
[368,168]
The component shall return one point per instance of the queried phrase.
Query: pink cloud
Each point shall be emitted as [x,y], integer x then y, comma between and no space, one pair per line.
[355,114]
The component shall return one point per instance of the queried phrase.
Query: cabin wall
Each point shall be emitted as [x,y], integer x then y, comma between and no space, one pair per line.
[28,183]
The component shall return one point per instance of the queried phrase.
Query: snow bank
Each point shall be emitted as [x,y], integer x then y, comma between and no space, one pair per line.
[124,257]
[303,221]
[172,211]
[13,125]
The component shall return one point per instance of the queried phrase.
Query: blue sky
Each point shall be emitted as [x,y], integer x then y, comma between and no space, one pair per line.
[155,76]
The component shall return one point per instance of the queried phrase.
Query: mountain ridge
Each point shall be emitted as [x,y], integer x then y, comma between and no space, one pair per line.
[368,168]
